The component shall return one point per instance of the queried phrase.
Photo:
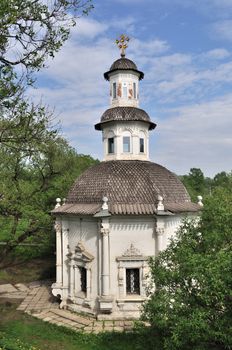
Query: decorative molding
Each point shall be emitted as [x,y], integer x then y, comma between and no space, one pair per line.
[105,231]
[79,254]
[160,231]
[57,226]
[132,251]
[131,254]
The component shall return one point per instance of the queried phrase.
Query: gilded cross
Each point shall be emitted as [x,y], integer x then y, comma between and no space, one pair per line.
[122,43]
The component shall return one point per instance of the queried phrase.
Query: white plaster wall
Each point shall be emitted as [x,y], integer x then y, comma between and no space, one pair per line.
[121,78]
[124,232]
[140,231]
[85,229]
[119,129]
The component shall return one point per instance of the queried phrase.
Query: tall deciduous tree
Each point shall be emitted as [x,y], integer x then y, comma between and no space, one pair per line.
[191,306]
[29,188]
[32,155]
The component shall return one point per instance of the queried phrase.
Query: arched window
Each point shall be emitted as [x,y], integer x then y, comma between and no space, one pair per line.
[114,90]
[135,90]
[126,144]
[141,145]
[83,278]
[110,142]
[110,145]
[141,142]
[124,90]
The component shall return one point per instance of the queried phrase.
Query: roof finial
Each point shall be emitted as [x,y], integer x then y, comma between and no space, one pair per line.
[122,43]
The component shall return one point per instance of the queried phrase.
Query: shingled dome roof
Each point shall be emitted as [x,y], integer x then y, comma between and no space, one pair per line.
[123,63]
[125,114]
[131,186]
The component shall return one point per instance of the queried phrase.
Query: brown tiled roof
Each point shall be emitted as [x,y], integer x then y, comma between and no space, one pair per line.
[78,208]
[132,187]
[125,114]
[123,63]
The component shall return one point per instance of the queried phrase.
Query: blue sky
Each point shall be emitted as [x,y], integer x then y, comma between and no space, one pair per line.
[184,49]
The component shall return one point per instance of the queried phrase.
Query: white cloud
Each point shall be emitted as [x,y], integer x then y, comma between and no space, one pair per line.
[88,28]
[215,54]
[186,136]
[197,136]
[222,30]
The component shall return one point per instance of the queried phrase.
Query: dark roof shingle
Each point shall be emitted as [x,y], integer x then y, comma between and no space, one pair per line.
[125,114]
[132,187]
[123,63]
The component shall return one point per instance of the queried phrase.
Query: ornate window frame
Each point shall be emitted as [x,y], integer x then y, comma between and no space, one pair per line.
[79,258]
[132,259]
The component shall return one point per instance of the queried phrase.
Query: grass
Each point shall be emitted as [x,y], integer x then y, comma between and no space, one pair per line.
[25,329]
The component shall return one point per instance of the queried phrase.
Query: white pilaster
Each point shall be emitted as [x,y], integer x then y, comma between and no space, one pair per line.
[72,277]
[58,229]
[105,262]
[159,235]
[88,284]
[65,267]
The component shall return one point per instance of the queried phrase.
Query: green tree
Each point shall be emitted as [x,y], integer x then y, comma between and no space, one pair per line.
[222,179]
[195,183]
[191,305]
[31,182]
[32,155]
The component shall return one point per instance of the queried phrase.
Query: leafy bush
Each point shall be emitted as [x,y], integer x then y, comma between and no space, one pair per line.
[191,306]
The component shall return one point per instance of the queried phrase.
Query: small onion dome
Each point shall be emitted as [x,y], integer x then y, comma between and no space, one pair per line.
[125,114]
[131,186]
[123,63]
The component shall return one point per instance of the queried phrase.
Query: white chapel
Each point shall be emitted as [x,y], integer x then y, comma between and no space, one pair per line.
[119,212]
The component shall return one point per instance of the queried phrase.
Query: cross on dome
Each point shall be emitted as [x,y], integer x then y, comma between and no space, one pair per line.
[122,43]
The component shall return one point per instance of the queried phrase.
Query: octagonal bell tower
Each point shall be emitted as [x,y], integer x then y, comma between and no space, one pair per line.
[125,127]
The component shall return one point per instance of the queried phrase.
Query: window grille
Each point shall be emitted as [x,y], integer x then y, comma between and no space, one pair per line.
[132,281]
[83,274]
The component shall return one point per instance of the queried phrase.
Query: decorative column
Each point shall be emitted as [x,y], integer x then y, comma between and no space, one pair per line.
[160,224]
[65,267]
[71,276]
[105,261]
[105,300]
[58,253]
[88,284]
[77,279]
[159,237]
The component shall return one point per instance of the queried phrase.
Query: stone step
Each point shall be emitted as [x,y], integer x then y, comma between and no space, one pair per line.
[14,295]
[22,287]
[70,316]
[7,288]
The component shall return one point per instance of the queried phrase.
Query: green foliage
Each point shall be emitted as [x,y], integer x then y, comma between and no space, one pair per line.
[31,182]
[32,31]
[197,184]
[191,306]
[36,165]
